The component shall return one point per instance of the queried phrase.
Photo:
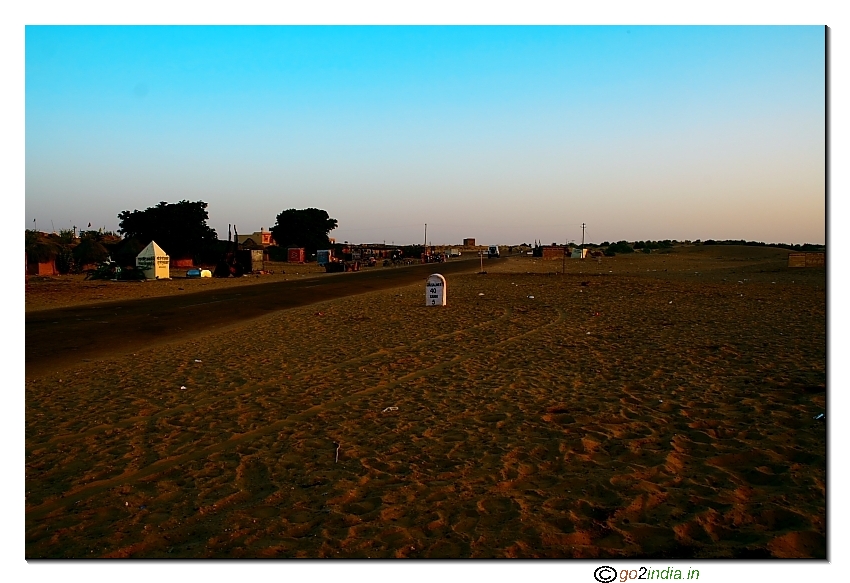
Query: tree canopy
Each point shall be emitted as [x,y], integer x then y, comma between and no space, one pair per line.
[619,247]
[306,228]
[180,229]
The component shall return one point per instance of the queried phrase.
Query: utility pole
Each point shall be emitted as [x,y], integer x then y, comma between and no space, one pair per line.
[564,260]
[582,234]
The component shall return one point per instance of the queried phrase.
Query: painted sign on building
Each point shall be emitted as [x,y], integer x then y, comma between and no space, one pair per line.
[435,290]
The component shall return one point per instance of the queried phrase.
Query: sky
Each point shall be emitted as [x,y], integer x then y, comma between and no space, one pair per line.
[507,134]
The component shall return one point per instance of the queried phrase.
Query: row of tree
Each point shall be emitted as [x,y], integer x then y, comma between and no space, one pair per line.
[180,229]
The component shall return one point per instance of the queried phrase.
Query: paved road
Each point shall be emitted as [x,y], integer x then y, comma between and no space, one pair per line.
[57,339]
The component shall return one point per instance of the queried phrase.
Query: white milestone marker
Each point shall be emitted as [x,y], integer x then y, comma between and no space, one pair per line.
[435,290]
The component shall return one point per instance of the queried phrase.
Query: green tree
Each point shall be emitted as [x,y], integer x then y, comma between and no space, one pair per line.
[180,229]
[306,228]
[619,247]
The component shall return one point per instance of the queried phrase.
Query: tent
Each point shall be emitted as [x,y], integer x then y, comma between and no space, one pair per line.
[153,262]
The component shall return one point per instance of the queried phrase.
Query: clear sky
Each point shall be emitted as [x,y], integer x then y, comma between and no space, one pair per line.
[507,133]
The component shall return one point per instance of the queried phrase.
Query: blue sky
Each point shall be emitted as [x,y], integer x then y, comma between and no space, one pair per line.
[505,133]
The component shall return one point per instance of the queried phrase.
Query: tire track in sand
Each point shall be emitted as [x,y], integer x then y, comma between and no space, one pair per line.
[130,477]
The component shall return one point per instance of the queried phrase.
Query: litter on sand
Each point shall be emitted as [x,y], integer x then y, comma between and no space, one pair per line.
[480,294]
[819,416]
[182,388]
[197,360]
[531,297]
[390,409]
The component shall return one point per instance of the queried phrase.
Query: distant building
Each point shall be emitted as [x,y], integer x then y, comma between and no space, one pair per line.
[469,242]
[261,238]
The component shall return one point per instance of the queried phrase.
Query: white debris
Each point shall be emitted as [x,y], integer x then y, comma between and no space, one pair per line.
[390,409]
[182,388]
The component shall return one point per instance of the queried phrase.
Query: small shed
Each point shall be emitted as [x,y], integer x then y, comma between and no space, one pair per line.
[295,254]
[46,267]
[250,260]
[324,256]
[579,254]
[469,242]
[153,262]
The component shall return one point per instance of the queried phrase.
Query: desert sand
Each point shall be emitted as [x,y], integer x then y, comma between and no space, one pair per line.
[655,406]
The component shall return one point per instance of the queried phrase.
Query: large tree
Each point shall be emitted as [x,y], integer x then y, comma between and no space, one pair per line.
[180,229]
[306,228]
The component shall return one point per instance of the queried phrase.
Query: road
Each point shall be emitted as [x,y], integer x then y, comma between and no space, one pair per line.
[64,337]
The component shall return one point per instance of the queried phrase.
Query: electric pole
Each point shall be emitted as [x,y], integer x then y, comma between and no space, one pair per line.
[564,260]
[583,226]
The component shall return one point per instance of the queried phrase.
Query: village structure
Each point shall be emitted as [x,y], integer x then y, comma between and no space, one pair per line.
[251,254]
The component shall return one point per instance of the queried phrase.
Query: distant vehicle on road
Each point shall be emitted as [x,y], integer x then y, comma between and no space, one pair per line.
[454,252]
[493,251]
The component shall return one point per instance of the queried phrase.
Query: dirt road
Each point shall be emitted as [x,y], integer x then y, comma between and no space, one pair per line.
[57,339]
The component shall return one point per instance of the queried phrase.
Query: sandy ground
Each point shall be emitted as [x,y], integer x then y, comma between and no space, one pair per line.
[641,406]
